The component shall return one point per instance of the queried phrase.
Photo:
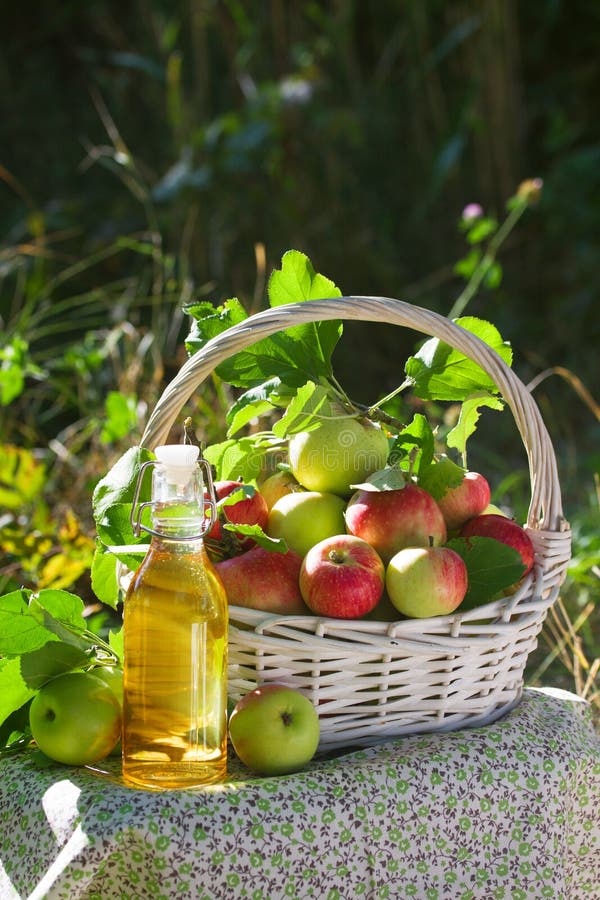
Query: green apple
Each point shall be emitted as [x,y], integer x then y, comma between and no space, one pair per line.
[274,730]
[305,518]
[75,719]
[426,581]
[339,453]
[113,677]
[278,485]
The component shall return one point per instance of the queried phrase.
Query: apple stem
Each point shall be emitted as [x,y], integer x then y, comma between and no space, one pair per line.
[430,540]
[286,718]
[336,556]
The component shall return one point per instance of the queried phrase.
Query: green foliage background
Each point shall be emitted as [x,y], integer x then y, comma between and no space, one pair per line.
[157,152]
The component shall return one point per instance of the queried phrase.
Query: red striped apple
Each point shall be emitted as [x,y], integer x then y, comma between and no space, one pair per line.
[505,530]
[342,577]
[426,581]
[263,579]
[391,520]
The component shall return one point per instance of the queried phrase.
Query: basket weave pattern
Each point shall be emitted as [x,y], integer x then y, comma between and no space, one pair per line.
[371,680]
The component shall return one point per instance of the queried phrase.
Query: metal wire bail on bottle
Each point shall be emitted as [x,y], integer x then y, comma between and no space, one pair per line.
[207,493]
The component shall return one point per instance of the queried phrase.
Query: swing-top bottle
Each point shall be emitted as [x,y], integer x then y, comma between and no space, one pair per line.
[175,636]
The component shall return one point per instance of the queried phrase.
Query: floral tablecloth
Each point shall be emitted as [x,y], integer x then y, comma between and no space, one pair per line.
[509,810]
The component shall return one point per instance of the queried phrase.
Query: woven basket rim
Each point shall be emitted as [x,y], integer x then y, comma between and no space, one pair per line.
[546,523]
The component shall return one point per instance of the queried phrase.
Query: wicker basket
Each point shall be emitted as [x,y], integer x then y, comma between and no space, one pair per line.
[374,680]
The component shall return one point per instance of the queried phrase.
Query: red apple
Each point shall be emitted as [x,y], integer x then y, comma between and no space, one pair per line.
[426,581]
[391,520]
[263,579]
[251,509]
[469,499]
[342,577]
[505,530]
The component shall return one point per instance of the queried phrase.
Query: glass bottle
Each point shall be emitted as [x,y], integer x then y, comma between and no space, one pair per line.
[175,638]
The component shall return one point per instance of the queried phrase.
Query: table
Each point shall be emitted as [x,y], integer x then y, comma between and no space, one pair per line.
[509,810]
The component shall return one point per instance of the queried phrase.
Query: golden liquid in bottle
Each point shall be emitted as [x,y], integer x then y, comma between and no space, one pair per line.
[175,670]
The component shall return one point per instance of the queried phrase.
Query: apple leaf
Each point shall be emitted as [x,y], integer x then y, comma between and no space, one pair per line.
[118,485]
[469,416]
[54,658]
[439,372]
[278,545]
[438,478]
[253,403]
[61,613]
[299,353]
[310,402]
[20,632]
[492,567]
[240,459]
[115,642]
[417,434]
[13,690]
[240,493]
[390,478]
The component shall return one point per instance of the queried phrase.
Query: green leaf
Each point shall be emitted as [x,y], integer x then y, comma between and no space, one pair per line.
[481,229]
[467,265]
[301,415]
[210,321]
[417,434]
[391,478]
[20,632]
[61,613]
[468,418]
[104,576]
[493,276]
[54,658]
[118,485]
[438,372]
[240,460]
[492,567]
[278,545]
[438,478]
[115,642]
[13,690]
[252,403]
[120,413]
[297,354]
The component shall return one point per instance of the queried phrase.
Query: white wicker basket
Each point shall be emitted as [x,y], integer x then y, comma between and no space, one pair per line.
[373,680]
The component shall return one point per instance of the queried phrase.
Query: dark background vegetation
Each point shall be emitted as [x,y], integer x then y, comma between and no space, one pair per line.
[157,151]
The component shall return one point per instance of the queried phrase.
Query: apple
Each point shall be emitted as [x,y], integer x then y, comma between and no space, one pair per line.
[458,502]
[113,677]
[251,509]
[426,581]
[274,729]
[278,485]
[391,520]
[303,519]
[342,577]
[263,579]
[339,453]
[75,719]
[505,530]
[492,509]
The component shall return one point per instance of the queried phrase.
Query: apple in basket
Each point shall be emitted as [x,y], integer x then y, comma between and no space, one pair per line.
[426,581]
[278,485]
[461,495]
[389,520]
[263,579]
[274,729]
[342,577]
[341,452]
[503,529]
[305,518]
[238,504]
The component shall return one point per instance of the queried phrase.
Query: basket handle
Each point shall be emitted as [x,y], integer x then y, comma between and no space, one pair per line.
[545,509]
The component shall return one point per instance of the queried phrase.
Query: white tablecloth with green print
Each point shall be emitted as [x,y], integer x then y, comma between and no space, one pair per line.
[510,810]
